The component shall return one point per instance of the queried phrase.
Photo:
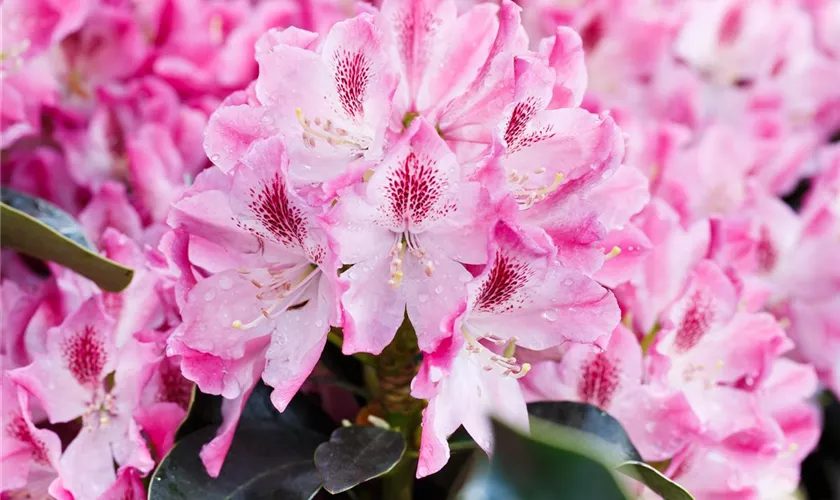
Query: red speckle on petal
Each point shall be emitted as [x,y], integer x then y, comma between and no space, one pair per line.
[271,206]
[766,253]
[85,356]
[174,388]
[415,190]
[498,294]
[731,25]
[599,380]
[19,430]
[112,303]
[515,136]
[352,74]
[695,322]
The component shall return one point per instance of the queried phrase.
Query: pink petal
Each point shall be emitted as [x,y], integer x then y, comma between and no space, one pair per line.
[230,131]
[213,453]
[434,298]
[128,486]
[87,466]
[296,347]
[416,185]
[373,309]
[634,247]
[564,52]
[524,285]
[79,354]
[160,423]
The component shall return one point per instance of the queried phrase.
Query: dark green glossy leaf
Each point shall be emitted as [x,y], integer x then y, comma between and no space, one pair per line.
[39,229]
[271,454]
[550,464]
[655,480]
[611,439]
[354,455]
[49,214]
[264,462]
[605,435]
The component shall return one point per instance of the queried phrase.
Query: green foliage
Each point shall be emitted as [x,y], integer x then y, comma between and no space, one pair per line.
[41,230]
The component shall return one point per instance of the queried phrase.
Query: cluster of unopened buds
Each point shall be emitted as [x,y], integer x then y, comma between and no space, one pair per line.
[591,211]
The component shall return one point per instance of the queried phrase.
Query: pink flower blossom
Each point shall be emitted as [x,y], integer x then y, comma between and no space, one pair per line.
[30,455]
[657,417]
[70,381]
[407,230]
[523,297]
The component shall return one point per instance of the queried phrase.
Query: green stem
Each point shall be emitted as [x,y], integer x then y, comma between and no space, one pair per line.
[397,367]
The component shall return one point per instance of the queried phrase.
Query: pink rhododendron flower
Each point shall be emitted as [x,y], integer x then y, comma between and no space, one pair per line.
[30,455]
[658,418]
[467,378]
[70,382]
[407,230]
[576,200]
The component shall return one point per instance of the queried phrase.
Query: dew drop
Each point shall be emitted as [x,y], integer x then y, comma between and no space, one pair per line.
[568,282]
[649,427]
[550,315]
[209,295]
[215,157]
[422,298]
[438,289]
[225,283]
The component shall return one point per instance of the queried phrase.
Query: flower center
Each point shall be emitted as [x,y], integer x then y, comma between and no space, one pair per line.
[318,128]
[282,291]
[11,60]
[407,242]
[525,196]
[100,411]
[505,364]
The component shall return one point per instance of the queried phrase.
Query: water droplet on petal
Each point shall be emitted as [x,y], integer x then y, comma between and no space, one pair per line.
[550,315]
[209,295]
[422,298]
[438,289]
[568,282]
[649,426]
[225,283]
[215,157]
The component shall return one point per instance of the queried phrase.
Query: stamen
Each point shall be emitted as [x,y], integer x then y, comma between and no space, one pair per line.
[397,254]
[527,197]
[285,294]
[216,29]
[337,137]
[505,365]
[613,253]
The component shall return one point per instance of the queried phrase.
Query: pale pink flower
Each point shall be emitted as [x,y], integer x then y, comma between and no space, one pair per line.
[716,355]
[69,380]
[332,104]
[30,456]
[658,418]
[269,303]
[522,297]
[407,231]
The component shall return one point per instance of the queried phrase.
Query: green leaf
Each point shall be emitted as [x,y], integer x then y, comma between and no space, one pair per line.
[550,464]
[271,454]
[263,462]
[42,230]
[605,434]
[610,438]
[655,480]
[354,455]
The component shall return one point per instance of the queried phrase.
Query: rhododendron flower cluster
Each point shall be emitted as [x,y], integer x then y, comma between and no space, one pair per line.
[574,201]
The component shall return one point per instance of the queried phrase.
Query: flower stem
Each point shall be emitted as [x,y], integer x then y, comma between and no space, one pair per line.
[398,365]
